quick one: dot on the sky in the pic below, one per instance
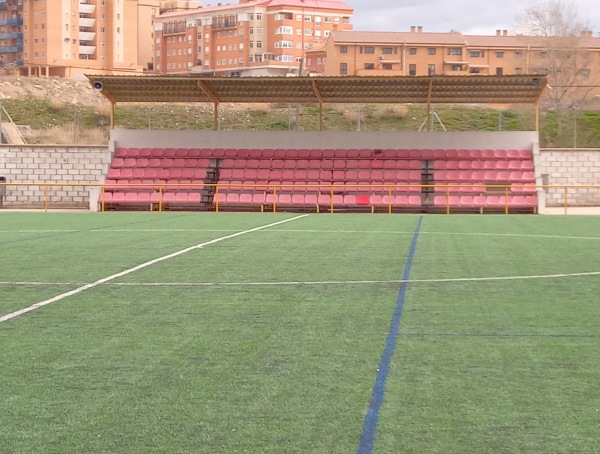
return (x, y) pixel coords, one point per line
(472, 17)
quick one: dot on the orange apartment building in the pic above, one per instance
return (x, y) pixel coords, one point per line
(70, 38)
(419, 53)
(249, 38)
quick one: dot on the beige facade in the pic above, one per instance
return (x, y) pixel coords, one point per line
(419, 53)
(251, 38)
(71, 38)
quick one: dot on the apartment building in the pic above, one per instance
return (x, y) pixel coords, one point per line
(70, 38)
(249, 38)
(419, 53)
(11, 34)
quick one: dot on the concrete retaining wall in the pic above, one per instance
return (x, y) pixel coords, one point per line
(59, 165)
(567, 168)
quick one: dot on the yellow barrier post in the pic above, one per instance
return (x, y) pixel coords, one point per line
(274, 199)
(447, 199)
(389, 200)
(217, 198)
(160, 198)
(331, 199)
(566, 199)
(505, 199)
(46, 198)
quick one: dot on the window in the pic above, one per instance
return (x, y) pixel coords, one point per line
(387, 50)
(476, 54)
(259, 44)
(474, 70)
(369, 50)
(454, 51)
(412, 51)
(518, 71)
(431, 70)
(343, 49)
(499, 54)
(499, 71)
(343, 69)
(412, 69)
(431, 50)
(518, 54)
(259, 16)
(369, 65)
(456, 68)
(386, 66)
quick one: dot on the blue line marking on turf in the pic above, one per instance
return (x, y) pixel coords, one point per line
(367, 437)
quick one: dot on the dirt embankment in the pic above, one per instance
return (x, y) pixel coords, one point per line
(66, 90)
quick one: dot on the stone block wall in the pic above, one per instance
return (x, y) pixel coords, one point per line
(571, 168)
(67, 170)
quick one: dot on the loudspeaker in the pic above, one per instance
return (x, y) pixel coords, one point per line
(98, 86)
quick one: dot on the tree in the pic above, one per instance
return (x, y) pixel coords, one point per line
(559, 41)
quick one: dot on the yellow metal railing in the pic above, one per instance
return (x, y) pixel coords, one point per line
(48, 196)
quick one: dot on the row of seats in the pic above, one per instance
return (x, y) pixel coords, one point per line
(327, 164)
(161, 174)
(490, 201)
(483, 176)
(245, 153)
(324, 200)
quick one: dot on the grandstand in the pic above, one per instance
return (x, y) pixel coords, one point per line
(322, 171)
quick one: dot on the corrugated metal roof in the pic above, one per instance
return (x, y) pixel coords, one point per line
(317, 90)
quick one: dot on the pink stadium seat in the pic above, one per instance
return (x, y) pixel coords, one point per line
(169, 152)
(527, 165)
(121, 153)
(327, 164)
(125, 174)
(138, 173)
(193, 153)
(515, 165)
(525, 154)
(477, 165)
(129, 162)
(500, 154)
(199, 174)
(466, 201)
(289, 163)
(284, 199)
(106, 197)
(145, 153)
(117, 163)
(118, 197)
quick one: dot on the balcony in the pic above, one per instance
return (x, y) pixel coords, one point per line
(87, 36)
(87, 50)
(86, 8)
(14, 21)
(10, 49)
(84, 22)
(11, 35)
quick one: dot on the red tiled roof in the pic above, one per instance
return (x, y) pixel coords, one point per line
(453, 38)
(316, 4)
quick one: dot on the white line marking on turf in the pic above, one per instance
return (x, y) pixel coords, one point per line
(138, 267)
(358, 282)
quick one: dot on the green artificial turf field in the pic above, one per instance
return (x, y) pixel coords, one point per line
(268, 333)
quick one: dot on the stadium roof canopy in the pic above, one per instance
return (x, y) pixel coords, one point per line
(521, 89)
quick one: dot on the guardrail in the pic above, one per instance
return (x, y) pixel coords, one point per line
(446, 198)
